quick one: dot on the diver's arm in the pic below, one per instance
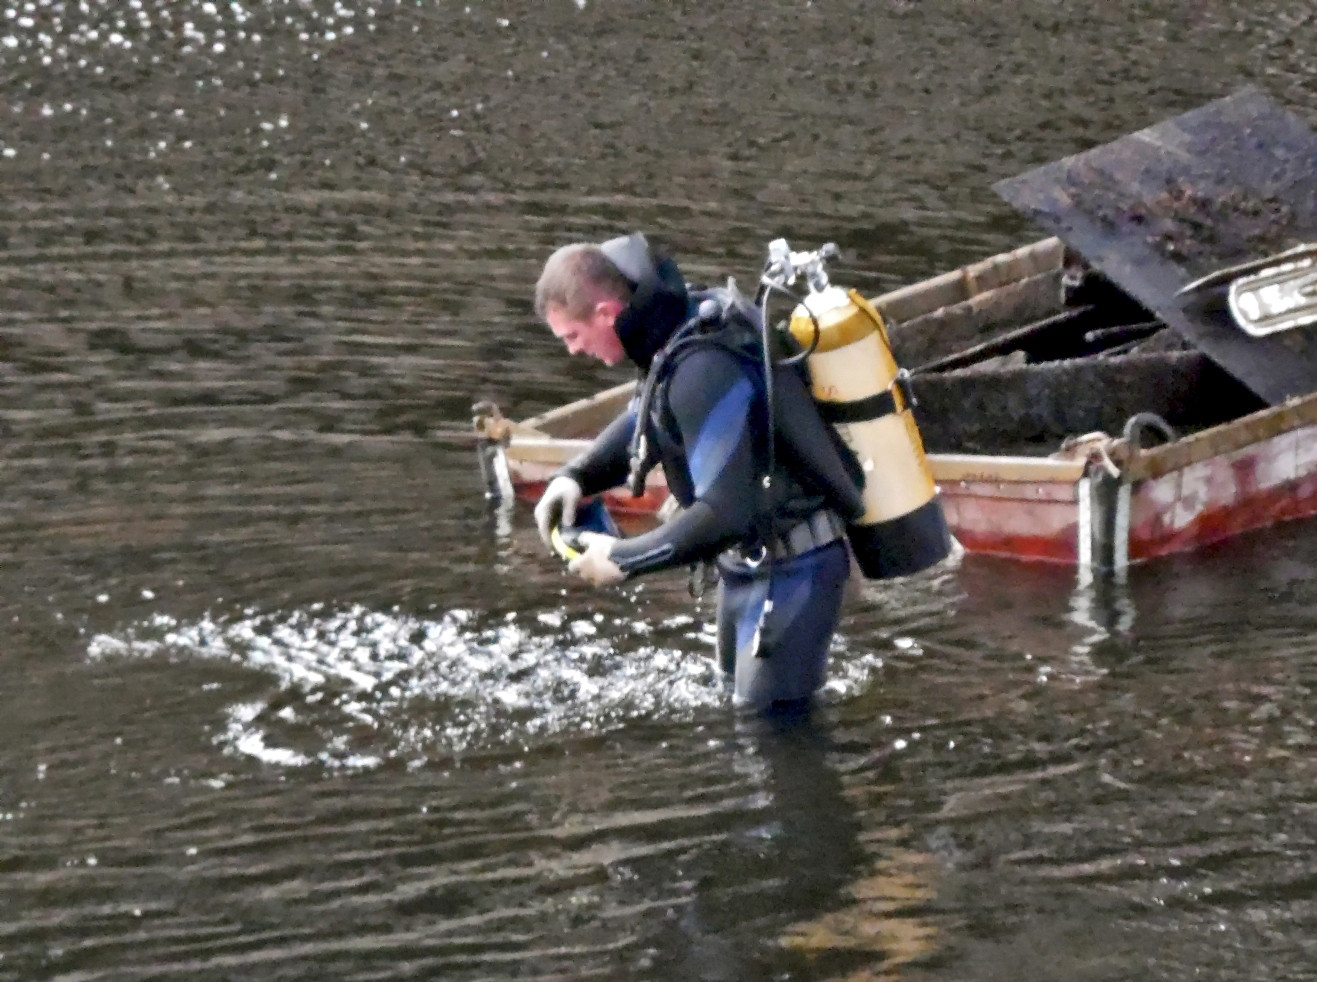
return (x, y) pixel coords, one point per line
(712, 400)
(605, 463)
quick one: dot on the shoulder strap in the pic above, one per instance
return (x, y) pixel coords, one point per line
(725, 322)
(702, 330)
(642, 460)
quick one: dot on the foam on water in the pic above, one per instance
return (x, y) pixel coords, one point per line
(357, 686)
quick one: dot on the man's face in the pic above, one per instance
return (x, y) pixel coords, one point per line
(593, 335)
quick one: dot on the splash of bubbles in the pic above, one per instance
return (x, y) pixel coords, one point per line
(357, 686)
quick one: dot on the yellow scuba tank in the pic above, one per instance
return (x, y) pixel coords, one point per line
(861, 393)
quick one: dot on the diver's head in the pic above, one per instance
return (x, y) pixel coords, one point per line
(614, 300)
(579, 295)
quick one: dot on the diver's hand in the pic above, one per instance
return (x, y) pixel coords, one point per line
(593, 565)
(557, 506)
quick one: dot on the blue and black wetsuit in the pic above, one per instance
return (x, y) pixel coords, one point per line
(779, 544)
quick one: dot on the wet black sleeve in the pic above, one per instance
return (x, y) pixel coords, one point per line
(812, 450)
(716, 406)
(606, 463)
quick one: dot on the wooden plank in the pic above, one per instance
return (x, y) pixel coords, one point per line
(957, 286)
(1226, 183)
(957, 468)
(945, 467)
(1010, 341)
(980, 318)
(1104, 339)
(584, 417)
(548, 450)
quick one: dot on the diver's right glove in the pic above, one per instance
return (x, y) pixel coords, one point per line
(557, 506)
(594, 564)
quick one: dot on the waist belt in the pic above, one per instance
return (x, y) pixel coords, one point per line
(820, 529)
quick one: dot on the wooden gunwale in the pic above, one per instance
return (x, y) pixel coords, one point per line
(1228, 437)
(583, 417)
(960, 285)
(947, 468)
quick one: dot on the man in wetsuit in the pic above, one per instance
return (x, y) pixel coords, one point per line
(771, 515)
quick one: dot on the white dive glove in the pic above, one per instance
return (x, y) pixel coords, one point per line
(557, 506)
(593, 565)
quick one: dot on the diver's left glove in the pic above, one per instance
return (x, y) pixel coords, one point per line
(593, 565)
(557, 506)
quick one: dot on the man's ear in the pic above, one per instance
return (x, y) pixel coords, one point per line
(609, 309)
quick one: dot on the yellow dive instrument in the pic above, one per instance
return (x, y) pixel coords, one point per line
(566, 550)
(591, 516)
(867, 399)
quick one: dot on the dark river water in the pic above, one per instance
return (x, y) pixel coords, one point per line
(281, 698)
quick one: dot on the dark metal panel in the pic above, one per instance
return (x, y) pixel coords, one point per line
(1231, 181)
(1031, 409)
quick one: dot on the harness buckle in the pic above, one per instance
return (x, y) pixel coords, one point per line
(758, 561)
(698, 580)
(902, 385)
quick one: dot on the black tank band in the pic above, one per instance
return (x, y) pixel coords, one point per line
(874, 406)
(858, 411)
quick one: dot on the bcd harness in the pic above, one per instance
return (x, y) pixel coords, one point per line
(724, 320)
(849, 433)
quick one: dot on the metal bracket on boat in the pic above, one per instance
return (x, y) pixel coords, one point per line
(490, 423)
(493, 433)
(1142, 423)
(1278, 293)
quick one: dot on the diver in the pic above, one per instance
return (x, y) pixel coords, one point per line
(766, 503)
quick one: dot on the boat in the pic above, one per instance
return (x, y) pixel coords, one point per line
(1088, 399)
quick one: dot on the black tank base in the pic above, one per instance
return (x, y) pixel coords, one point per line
(902, 545)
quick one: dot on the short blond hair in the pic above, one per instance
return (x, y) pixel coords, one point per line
(575, 278)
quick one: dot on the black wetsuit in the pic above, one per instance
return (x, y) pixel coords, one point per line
(780, 548)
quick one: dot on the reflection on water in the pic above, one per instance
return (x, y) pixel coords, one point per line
(281, 698)
(1102, 605)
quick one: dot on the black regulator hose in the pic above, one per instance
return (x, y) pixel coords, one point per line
(818, 329)
(765, 331)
